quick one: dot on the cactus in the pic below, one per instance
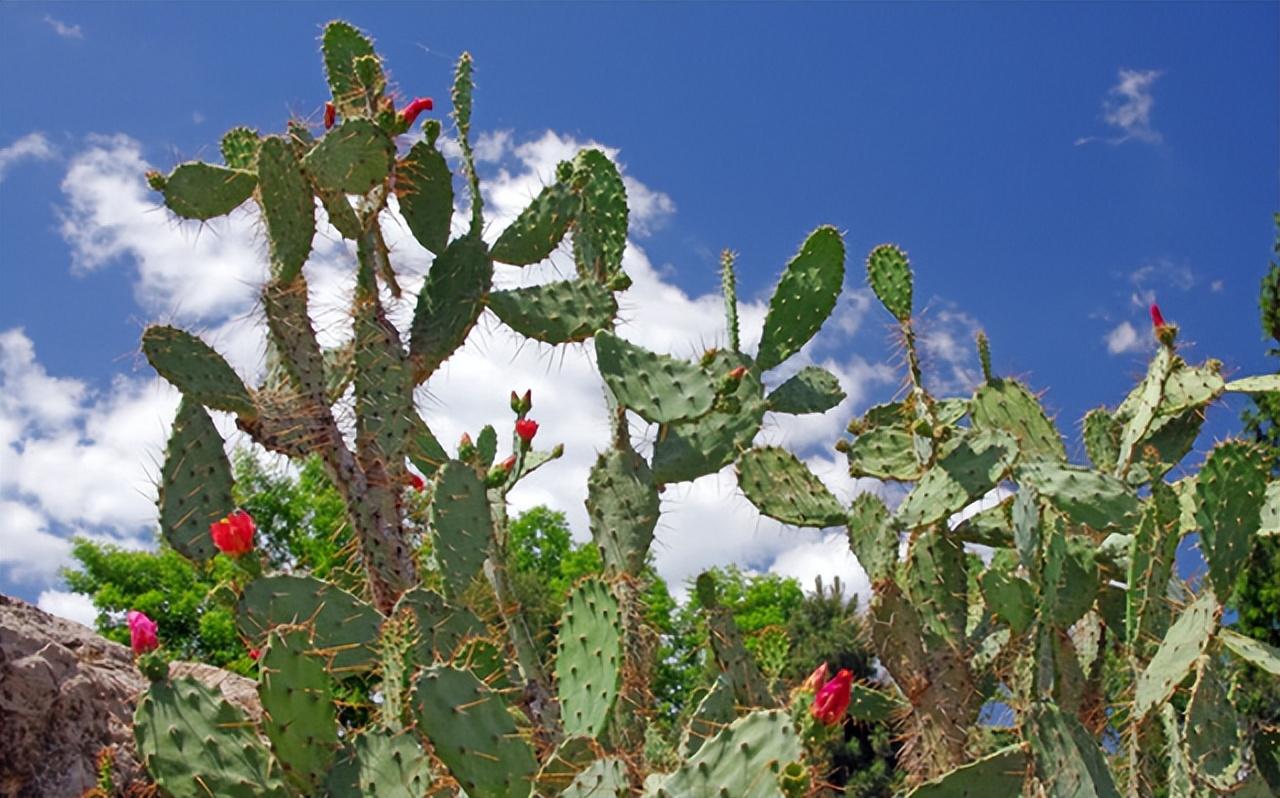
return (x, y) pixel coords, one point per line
(1080, 582)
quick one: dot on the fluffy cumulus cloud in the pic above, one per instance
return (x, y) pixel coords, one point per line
(204, 277)
(1127, 109)
(31, 147)
(1123, 339)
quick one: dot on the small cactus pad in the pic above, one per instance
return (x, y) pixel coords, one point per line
(460, 525)
(1211, 736)
(1255, 652)
(194, 744)
(687, 450)
(424, 187)
(603, 778)
(343, 626)
(562, 312)
(473, 734)
(539, 228)
(195, 483)
(442, 627)
(804, 298)
(571, 757)
(384, 764)
(714, 712)
(288, 208)
(811, 390)
(870, 705)
(884, 453)
(622, 505)
(1183, 644)
(889, 274)
(342, 44)
(1190, 388)
(783, 488)
(750, 688)
(600, 231)
(743, 761)
(1230, 492)
(451, 300)
(1007, 405)
(1101, 438)
(1010, 598)
(1069, 762)
(657, 387)
(996, 775)
(297, 706)
(1263, 383)
(1070, 578)
(352, 158)
(967, 472)
(589, 658)
(1087, 497)
(202, 191)
(240, 148)
(872, 538)
(195, 369)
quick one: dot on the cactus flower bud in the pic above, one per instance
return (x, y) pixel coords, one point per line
(1157, 318)
(143, 631)
(254, 654)
(330, 114)
(832, 700)
(417, 483)
(414, 108)
(526, 428)
(466, 449)
(515, 403)
(738, 373)
(508, 464)
(816, 679)
(233, 535)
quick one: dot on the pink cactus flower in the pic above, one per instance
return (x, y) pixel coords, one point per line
(233, 535)
(832, 700)
(143, 632)
(738, 373)
(1157, 318)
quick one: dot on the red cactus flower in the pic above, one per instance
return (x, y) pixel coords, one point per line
(419, 484)
(738, 373)
(254, 654)
(233, 535)
(330, 114)
(832, 700)
(414, 108)
(1157, 318)
(143, 632)
(816, 679)
(526, 428)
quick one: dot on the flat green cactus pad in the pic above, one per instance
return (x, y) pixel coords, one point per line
(656, 387)
(1069, 762)
(997, 775)
(687, 450)
(622, 504)
(600, 230)
(352, 158)
(966, 473)
(539, 228)
(384, 764)
(889, 274)
(201, 191)
(195, 483)
(1183, 644)
(810, 390)
(589, 658)
(742, 760)
(424, 187)
(1230, 491)
(460, 525)
(562, 312)
(804, 298)
(451, 300)
(343, 627)
(783, 488)
(288, 208)
(297, 705)
(196, 369)
(342, 45)
(1007, 405)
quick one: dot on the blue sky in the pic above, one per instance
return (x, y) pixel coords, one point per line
(1050, 168)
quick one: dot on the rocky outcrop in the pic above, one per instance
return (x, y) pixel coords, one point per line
(66, 694)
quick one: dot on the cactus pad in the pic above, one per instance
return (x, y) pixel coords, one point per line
(1263, 383)
(967, 472)
(996, 775)
(460, 525)
(288, 208)
(202, 191)
(1087, 497)
(297, 706)
(1068, 760)
(194, 744)
(1101, 438)
(342, 45)
(383, 764)
(343, 626)
(1255, 652)
(870, 705)
(804, 298)
(1010, 598)
(450, 302)
(352, 158)
(473, 734)
(783, 488)
(889, 274)
(195, 483)
(1230, 491)
(1183, 644)
(622, 505)
(442, 628)
(196, 369)
(557, 313)
(589, 658)
(657, 387)
(603, 778)
(600, 232)
(239, 148)
(872, 538)
(1211, 736)
(743, 760)
(539, 228)
(424, 186)
(884, 453)
(811, 390)
(714, 712)
(688, 450)
(1007, 405)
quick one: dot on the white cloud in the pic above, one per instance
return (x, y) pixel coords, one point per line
(72, 606)
(1127, 107)
(33, 146)
(63, 29)
(1124, 338)
(828, 558)
(28, 551)
(948, 354)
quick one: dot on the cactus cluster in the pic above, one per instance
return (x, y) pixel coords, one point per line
(1082, 569)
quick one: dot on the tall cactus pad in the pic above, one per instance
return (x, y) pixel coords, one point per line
(460, 525)
(1101, 438)
(783, 488)
(195, 483)
(383, 764)
(1087, 497)
(196, 369)
(342, 45)
(202, 191)
(288, 208)
(385, 413)
(729, 288)
(293, 337)
(424, 186)
(473, 734)
(966, 473)
(743, 761)
(194, 744)
(1212, 734)
(344, 628)
(622, 504)
(804, 298)
(1007, 405)
(997, 775)
(603, 778)
(539, 228)
(714, 712)
(658, 388)
(871, 537)
(937, 582)
(690, 449)
(1183, 644)
(1068, 760)
(443, 629)
(352, 158)
(451, 300)
(557, 313)
(589, 658)
(811, 390)
(873, 706)
(1230, 492)
(297, 705)
(1010, 598)
(750, 688)
(600, 234)
(889, 274)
